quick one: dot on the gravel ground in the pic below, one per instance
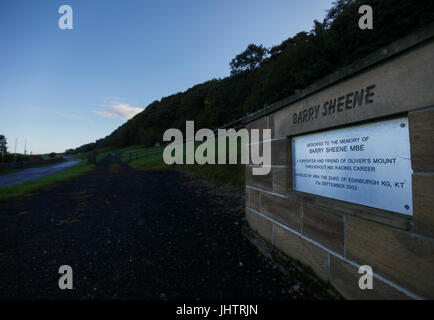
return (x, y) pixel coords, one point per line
(131, 234)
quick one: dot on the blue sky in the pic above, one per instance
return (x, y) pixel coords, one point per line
(60, 88)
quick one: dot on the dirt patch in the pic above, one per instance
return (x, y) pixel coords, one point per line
(66, 221)
(115, 168)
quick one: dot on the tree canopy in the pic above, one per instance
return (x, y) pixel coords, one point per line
(249, 59)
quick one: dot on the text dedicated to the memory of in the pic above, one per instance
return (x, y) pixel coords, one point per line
(366, 164)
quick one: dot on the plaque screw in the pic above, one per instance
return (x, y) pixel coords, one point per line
(402, 125)
(407, 207)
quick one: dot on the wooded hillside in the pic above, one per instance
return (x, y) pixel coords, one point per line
(261, 76)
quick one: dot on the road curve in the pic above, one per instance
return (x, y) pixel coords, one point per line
(35, 173)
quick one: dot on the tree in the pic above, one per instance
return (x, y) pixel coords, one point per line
(3, 144)
(249, 59)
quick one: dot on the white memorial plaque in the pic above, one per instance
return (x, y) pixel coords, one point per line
(367, 164)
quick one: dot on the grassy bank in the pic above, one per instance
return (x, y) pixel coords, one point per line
(11, 192)
(225, 173)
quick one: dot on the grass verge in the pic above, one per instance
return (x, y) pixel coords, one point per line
(225, 173)
(11, 192)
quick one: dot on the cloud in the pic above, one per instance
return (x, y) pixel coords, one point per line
(118, 110)
(72, 116)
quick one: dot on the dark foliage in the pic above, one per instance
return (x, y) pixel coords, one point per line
(11, 157)
(3, 144)
(249, 59)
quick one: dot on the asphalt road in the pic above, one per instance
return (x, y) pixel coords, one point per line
(35, 173)
(131, 234)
